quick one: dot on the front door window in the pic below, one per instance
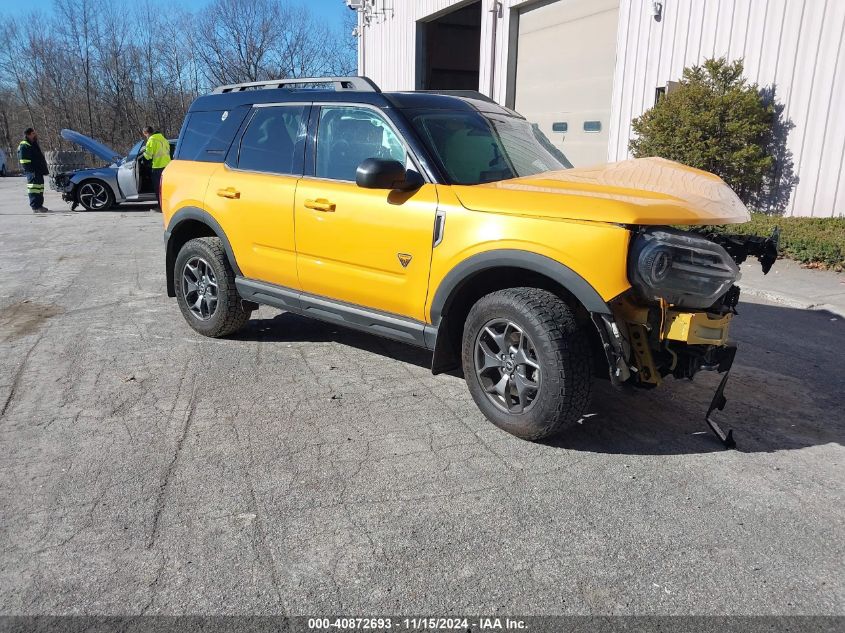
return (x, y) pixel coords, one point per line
(349, 135)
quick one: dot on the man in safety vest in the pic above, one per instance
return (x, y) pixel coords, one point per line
(34, 167)
(157, 152)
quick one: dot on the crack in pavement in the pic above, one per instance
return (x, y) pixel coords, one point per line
(18, 375)
(171, 467)
(154, 586)
(262, 548)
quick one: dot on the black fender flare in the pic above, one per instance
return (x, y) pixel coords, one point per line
(199, 215)
(512, 258)
(444, 357)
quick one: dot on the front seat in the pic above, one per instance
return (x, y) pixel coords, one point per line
(355, 140)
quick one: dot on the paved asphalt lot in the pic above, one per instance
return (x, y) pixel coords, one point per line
(304, 469)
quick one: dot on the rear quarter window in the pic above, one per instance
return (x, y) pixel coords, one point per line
(206, 136)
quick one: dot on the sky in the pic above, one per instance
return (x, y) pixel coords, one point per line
(331, 10)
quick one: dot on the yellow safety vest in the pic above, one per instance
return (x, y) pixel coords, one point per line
(158, 151)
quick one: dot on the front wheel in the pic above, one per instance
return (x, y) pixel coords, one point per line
(205, 289)
(527, 362)
(95, 195)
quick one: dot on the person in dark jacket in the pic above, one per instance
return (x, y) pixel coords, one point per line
(34, 167)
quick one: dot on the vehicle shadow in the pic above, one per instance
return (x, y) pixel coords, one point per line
(287, 327)
(784, 392)
(130, 207)
(144, 207)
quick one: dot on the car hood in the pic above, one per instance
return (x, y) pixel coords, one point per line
(649, 191)
(99, 150)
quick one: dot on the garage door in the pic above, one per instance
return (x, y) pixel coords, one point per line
(566, 54)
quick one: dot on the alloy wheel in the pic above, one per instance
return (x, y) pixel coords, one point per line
(93, 195)
(507, 366)
(199, 288)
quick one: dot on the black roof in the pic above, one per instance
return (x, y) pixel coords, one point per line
(458, 101)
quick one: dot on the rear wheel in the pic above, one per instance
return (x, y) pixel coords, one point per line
(95, 195)
(205, 289)
(527, 362)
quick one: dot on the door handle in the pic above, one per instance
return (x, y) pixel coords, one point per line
(229, 192)
(320, 204)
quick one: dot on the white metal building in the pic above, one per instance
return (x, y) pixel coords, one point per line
(583, 69)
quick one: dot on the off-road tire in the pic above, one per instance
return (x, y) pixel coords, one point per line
(563, 354)
(231, 313)
(65, 162)
(56, 169)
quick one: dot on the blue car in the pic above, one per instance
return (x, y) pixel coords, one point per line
(125, 178)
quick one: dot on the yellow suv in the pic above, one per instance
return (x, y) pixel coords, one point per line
(446, 221)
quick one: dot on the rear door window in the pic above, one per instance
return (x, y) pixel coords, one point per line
(274, 140)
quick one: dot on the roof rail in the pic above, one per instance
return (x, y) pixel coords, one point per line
(466, 94)
(360, 84)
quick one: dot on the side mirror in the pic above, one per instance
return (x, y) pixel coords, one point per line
(377, 173)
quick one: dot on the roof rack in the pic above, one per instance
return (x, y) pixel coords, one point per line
(360, 84)
(466, 94)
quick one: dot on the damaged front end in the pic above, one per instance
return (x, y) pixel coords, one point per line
(62, 182)
(741, 247)
(675, 319)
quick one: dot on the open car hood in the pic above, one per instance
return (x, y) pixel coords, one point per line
(651, 191)
(103, 152)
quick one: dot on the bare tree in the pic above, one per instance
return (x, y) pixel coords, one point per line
(75, 25)
(236, 39)
(13, 62)
(98, 67)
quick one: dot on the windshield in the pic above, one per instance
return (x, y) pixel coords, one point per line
(132, 154)
(135, 150)
(474, 148)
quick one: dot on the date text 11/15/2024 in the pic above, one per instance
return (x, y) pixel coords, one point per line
(417, 624)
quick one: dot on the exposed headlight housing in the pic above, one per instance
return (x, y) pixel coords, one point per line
(683, 269)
